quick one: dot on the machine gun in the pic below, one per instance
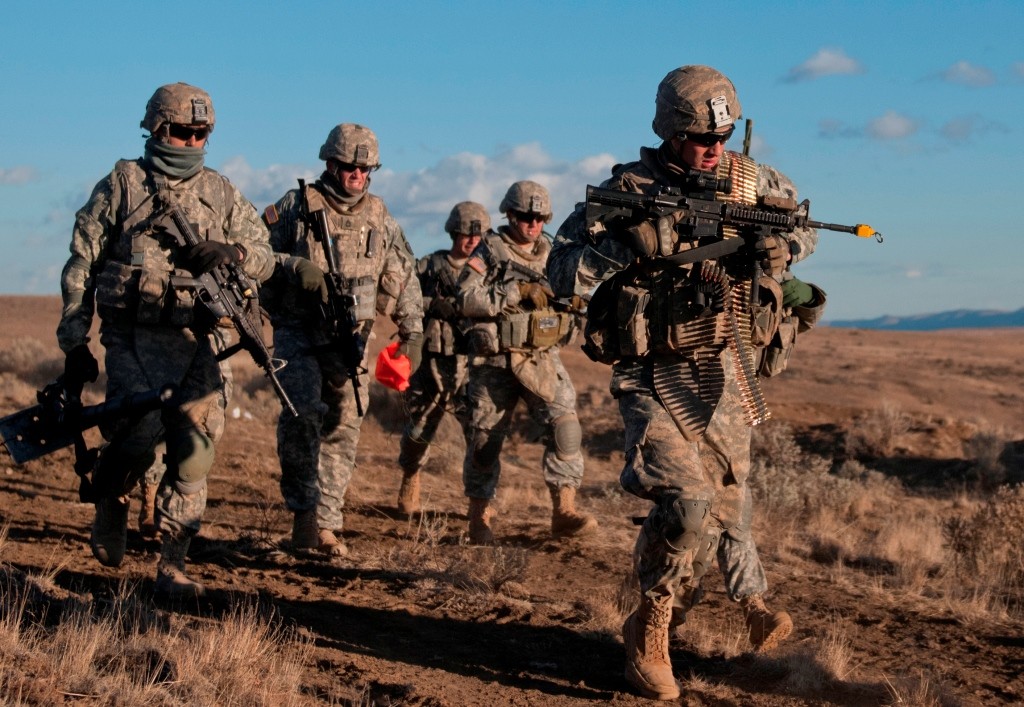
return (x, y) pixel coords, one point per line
(339, 311)
(227, 293)
(59, 419)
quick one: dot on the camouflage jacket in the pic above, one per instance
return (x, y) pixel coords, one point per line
(439, 281)
(371, 251)
(121, 267)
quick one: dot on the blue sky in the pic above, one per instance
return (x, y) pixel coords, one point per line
(906, 116)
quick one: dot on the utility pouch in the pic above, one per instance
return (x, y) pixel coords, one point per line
(117, 292)
(547, 328)
(363, 290)
(152, 288)
(633, 334)
(775, 356)
(482, 339)
(513, 331)
(766, 314)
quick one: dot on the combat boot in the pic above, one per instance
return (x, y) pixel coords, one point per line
(766, 629)
(305, 533)
(480, 531)
(109, 536)
(331, 544)
(645, 636)
(171, 580)
(409, 493)
(147, 513)
(565, 519)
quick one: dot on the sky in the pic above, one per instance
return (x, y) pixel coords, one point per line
(903, 115)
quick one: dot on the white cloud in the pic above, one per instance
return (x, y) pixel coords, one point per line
(913, 274)
(421, 200)
(892, 126)
(968, 74)
(825, 62)
(17, 175)
(966, 127)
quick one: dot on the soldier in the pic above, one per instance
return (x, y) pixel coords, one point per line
(317, 449)
(513, 339)
(130, 273)
(680, 340)
(438, 383)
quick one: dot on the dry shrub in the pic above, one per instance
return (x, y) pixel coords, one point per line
(986, 450)
(986, 547)
(32, 360)
(918, 690)
(877, 431)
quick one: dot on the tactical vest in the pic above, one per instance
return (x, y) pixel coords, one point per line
(135, 284)
(360, 249)
(518, 329)
(438, 278)
(638, 311)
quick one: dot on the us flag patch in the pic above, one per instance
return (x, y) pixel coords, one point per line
(270, 215)
(477, 264)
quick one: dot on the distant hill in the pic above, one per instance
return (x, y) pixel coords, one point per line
(957, 319)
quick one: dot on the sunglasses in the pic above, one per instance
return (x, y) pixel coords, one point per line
(187, 132)
(708, 139)
(365, 169)
(525, 217)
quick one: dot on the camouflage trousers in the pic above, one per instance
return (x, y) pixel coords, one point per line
(492, 393)
(143, 357)
(435, 388)
(707, 473)
(317, 449)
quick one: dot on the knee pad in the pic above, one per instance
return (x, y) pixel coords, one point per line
(685, 521)
(705, 553)
(568, 436)
(189, 456)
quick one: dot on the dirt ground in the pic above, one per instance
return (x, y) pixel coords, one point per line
(414, 616)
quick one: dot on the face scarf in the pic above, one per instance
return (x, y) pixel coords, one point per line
(175, 162)
(336, 192)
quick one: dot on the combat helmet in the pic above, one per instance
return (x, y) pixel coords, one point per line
(468, 218)
(695, 99)
(351, 143)
(527, 197)
(180, 104)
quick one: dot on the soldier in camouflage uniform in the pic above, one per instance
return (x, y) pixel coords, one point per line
(126, 270)
(438, 383)
(681, 340)
(514, 337)
(317, 449)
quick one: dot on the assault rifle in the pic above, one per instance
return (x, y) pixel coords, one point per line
(339, 311)
(227, 293)
(59, 419)
(703, 216)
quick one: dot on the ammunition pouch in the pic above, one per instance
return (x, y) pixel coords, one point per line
(440, 337)
(127, 294)
(363, 291)
(617, 325)
(766, 314)
(537, 330)
(775, 356)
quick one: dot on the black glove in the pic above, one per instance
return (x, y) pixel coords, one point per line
(311, 277)
(443, 308)
(412, 348)
(211, 254)
(80, 365)
(536, 293)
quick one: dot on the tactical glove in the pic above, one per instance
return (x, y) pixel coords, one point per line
(310, 276)
(656, 236)
(211, 254)
(796, 293)
(442, 308)
(80, 365)
(412, 347)
(536, 293)
(776, 255)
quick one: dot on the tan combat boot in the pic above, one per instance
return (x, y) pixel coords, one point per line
(331, 544)
(305, 533)
(645, 635)
(147, 513)
(766, 629)
(109, 537)
(565, 519)
(409, 493)
(480, 531)
(171, 580)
